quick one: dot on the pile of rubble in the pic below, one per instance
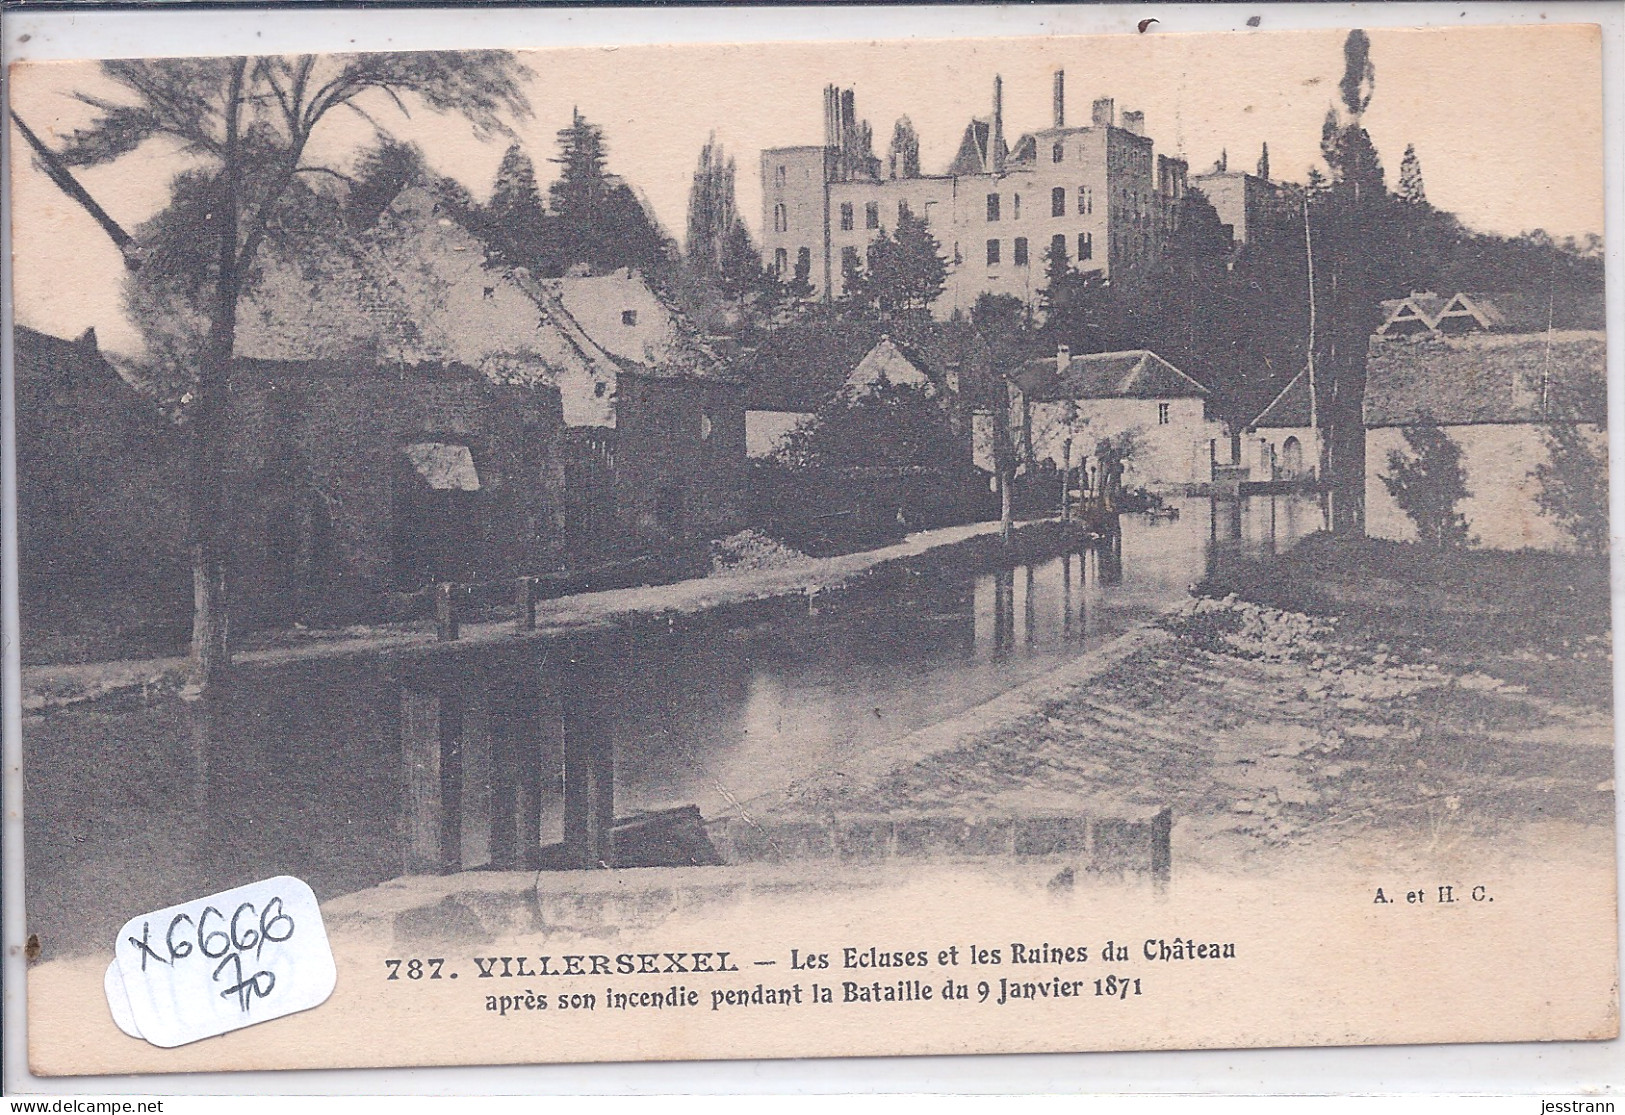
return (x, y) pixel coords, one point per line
(1347, 675)
(750, 550)
(1237, 626)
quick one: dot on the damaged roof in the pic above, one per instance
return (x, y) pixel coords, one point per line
(1488, 378)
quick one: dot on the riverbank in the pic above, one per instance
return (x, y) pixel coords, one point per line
(720, 598)
(1343, 689)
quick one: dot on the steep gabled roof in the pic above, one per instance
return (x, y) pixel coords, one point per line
(937, 351)
(1136, 374)
(1488, 378)
(1291, 408)
(681, 356)
(975, 151)
(800, 365)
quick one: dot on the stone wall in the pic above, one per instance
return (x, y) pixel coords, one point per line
(1500, 461)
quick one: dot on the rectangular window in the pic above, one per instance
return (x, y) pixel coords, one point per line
(1162, 414)
(781, 219)
(781, 260)
(846, 216)
(1015, 207)
(849, 259)
(1086, 201)
(630, 317)
(992, 207)
(1057, 246)
(1057, 202)
(1019, 255)
(1086, 245)
(902, 212)
(992, 252)
(871, 215)
(1057, 153)
(778, 177)
(803, 262)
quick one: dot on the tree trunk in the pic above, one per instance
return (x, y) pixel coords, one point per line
(209, 509)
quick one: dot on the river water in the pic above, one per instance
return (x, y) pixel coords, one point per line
(301, 772)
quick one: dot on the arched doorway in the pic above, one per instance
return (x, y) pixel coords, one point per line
(1291, 459)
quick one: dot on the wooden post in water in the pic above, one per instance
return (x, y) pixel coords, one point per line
(431, 754)
(525, 598)
(446, 626)
(516, 775)
(589, 757)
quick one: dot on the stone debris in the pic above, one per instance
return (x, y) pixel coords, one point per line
(751, 550)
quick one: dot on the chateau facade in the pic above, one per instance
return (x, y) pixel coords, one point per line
(1097, 192)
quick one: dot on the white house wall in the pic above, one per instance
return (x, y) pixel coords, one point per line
(767, 431)
(1500, 462)
(1166, 456)
(1264, 449)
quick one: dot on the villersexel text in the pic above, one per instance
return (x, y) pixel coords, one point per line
(878, 975)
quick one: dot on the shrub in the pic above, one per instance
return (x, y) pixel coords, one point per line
(1427, 484)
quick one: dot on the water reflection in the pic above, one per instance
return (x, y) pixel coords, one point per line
(350, 774)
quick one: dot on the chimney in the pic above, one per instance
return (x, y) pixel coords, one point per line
(1104, 115)
(1060, 98)
(1134, 122)
(1063, 359)
(832, 117)
(995, 141)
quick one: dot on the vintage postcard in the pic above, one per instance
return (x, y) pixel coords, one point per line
(814, 549)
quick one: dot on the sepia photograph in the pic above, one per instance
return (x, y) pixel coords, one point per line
(708, 551)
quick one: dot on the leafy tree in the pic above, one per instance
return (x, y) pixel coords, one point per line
(514, 192)
(515, 223)
(1005, 323)
(378, 177)
(892, 426)
(800, 285)
(1427, 483)
(249, 123)
(712, 214)
(906, 271)
(1350, 221)
(1411, 190)
(597, 219)
(904, 157)
(742, 274)
(1079, 308)
(1574, 487)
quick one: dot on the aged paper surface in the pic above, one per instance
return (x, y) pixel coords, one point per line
(622, 641)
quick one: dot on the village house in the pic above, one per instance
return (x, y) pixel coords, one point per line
(1095, 192)
(354, 480)
(1498, 396)
(806, 366)
(795, 370)
(421, 417)
(1136, 399)
(653, 443)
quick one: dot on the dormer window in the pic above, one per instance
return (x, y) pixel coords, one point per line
(629, 317)
(1057, 153)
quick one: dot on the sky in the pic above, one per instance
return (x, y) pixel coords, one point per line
(1507, 123)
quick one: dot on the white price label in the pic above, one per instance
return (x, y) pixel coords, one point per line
(220, 963)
